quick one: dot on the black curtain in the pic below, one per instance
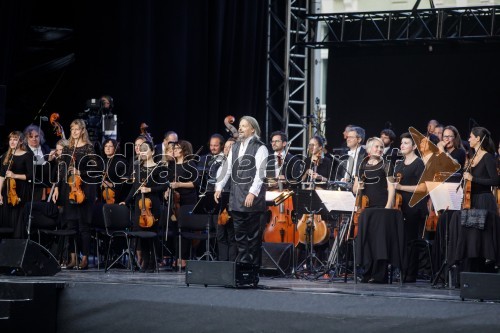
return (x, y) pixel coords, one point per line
(180, 65)
(407, 85)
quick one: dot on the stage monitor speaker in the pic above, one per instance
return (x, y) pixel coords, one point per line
(276, 258)
(220, 273)
(482, 286)
(25, 257)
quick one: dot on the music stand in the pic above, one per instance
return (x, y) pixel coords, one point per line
(445, 197)
(206, 205)
(308, 202)
(341, 202)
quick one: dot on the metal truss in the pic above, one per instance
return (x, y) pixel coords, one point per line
(287, 71)
(424, 25)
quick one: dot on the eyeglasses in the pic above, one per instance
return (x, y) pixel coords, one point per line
(352, 137)
(448, 136)
(276, 141)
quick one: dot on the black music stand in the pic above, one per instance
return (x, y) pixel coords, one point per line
(309, 203)
(206, 205)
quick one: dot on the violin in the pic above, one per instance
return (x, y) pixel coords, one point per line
(230, 128)
(76, 195)
(467, 187)
(360, 204)
(146, 219)
(12, 197)
(398, 199)
(108, 193)
(58, 129)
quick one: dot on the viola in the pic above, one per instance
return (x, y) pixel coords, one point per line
(230, 128)
(146, 219)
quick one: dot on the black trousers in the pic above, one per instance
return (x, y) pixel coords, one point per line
(248, 236)
(226, 242)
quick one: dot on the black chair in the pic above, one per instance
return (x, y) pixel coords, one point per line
(45, 221)
(118, 225)
(196, 227)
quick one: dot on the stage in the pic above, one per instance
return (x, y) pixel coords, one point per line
(120, 300)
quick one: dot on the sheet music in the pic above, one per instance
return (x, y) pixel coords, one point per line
(271, 195)
(445, 195)
(337, 200)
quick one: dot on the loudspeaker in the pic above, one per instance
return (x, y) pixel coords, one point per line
(276, 258)
(221, 273)
(480, 286)
(25, 257)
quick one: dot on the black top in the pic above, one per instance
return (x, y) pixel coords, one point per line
(458, 154)
(484, 175)
(22, 165)
(375, 183)
(324, 168)
(184, 173)
(410, 175)
(115, 171)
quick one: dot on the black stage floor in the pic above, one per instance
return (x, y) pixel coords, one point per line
(120, 300)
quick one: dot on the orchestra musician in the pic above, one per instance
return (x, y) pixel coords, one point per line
(319, 167)
(184, 187)
(247, 199)
(114, 171)
(36, 143)
(380, 192)
(150, 182)
(410, 171)
(16, 174)
(210, 163)
(451, 144)
(356, 153)
(226, 243)
(78, 171)
(388, 137)
(281, 164)
(165, 151)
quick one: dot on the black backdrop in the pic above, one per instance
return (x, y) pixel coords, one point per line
(407, 85)
(175, 65)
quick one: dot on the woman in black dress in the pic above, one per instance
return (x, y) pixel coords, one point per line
(374, 183)
(115, 171)
(149, 183)
(17, 167)
(414, 207)
(184, 185)
(78, 161)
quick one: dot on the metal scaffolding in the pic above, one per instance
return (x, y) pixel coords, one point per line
(287, 71)
(424, 25)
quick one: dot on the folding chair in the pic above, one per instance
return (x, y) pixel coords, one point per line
(190, 226)
(118, 224)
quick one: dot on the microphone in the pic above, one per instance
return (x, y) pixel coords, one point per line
(43, 118)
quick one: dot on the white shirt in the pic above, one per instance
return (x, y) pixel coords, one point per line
(351, 165)
(260, 162)
(39, 159)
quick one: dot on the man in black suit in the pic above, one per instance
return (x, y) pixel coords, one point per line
(210, 163)
(35, 140)
(165, 149)
(281, 164)
(356, 154)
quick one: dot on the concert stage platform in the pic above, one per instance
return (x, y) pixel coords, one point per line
(121, 301)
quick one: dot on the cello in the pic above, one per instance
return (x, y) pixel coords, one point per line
(281, 228)
(228, 121)
(321, 233)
